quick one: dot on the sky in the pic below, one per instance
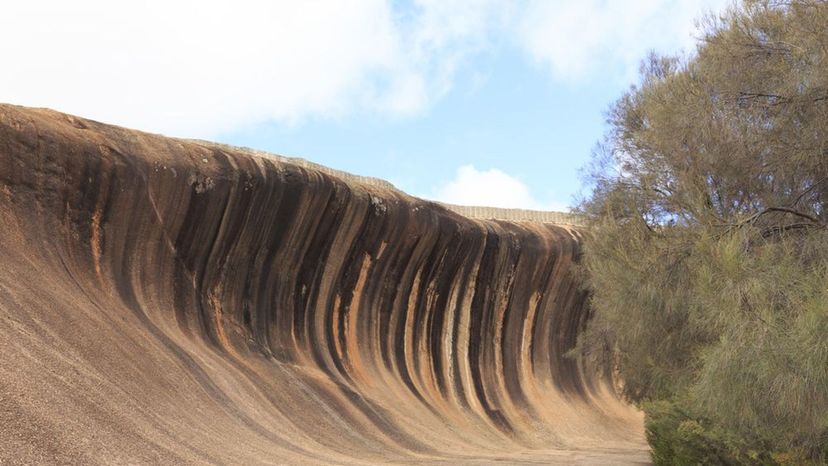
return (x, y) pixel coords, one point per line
(475, 102)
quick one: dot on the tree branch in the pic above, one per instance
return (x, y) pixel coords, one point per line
(786, 210)
(783, 228)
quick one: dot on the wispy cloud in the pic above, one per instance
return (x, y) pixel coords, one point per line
(200, 68)
(578, 38)
(197, 68)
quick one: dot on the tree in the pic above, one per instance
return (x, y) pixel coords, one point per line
(708, 257)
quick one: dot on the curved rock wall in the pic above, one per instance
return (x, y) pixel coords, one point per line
(476, 212)
(178, 301)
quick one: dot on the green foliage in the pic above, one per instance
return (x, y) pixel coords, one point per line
(707, 256)
(678, 439)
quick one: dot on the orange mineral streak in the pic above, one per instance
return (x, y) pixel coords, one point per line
(165, 301)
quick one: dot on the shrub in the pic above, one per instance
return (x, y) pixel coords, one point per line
(707, 255)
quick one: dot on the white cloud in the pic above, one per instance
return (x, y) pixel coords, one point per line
(203, 67)
(491, 188)
(197, 68)
(575, 38)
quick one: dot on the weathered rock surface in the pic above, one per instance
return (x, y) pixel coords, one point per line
(166, 301)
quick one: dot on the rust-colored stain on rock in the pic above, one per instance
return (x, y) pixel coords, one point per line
(178, 302)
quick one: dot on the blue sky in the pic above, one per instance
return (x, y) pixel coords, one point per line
(510, 117)
(465, 101)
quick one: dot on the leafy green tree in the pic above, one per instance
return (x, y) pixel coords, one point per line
(708, 250)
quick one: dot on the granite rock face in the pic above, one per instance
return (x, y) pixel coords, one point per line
(170, 301)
